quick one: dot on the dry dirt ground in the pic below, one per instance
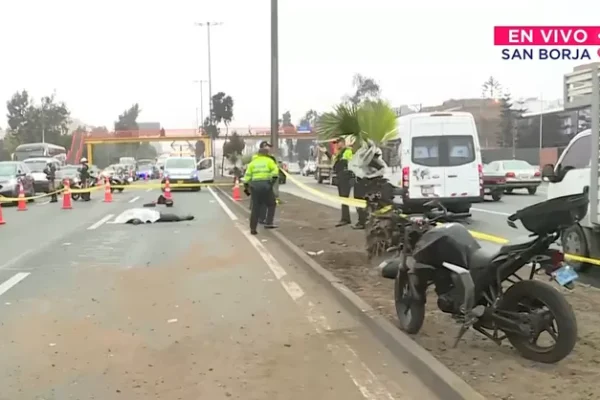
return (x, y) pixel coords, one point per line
(496, 372)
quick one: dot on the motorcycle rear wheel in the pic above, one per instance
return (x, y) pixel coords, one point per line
(563, 324)
(410, 312)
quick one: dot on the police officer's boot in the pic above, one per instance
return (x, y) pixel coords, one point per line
(54, 198)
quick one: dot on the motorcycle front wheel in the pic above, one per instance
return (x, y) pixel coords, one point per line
(551, 318)
(410, 311)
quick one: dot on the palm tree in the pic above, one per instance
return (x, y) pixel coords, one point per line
(372, 122)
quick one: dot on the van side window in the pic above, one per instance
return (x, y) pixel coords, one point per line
(577, 155)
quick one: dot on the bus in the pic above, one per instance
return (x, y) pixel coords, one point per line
(29, 150)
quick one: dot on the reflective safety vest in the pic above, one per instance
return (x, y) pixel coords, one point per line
(261, 168)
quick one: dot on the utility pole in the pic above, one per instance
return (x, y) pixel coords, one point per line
(201, 82)
(210, 104)
(541, 121)
(274, 76)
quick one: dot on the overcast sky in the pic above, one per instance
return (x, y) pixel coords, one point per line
(102, 56)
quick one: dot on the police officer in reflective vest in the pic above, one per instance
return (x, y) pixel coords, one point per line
(50, 172)
(345, 178)
(261, 174)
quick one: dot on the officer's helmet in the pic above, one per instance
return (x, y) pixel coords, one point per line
(84, 160)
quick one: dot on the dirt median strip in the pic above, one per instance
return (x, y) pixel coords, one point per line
(495, 372)
(446, 384)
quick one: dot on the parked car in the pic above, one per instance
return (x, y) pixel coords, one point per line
(494, 184)
(37, 165)
(519, 174)
(147, 171)
(12, 174)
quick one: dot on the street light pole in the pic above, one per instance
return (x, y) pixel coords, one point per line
(541, 122)
(201, 82)
(274, 76)
(210, 105)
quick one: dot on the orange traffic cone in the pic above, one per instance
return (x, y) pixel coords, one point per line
(107, 192)
(168, 190)
(67, 196)
(22, 201)
(235, 194)
(2, 221)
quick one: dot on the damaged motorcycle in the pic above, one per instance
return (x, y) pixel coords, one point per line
(488, 290)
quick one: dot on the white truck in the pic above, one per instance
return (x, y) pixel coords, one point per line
(324, 165)
(572, 174)
(576, 170)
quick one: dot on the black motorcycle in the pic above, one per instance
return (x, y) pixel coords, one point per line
(486, 290)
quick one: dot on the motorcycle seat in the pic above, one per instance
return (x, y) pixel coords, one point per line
(519, 244)
(481, 258)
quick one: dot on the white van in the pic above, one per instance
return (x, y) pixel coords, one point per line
(440, 158)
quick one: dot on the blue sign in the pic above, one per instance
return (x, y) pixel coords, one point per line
(303, 128)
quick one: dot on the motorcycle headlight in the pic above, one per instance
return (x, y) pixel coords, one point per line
(130, 179)
(76, 180)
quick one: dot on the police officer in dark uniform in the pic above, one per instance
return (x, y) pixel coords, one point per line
(84, 176)
(345, 177)
(50, 172)
(261, 174)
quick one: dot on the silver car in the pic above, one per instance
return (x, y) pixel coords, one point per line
(519, 174)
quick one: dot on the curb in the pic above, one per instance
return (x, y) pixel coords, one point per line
(443, 382)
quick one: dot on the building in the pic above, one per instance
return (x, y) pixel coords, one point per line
(577, 94)
(485, 111)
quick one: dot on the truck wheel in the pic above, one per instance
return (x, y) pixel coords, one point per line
(496, 196)
(532, 190)
(574, 241)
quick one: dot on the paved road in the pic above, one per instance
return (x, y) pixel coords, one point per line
(90, 309)
(488, 217)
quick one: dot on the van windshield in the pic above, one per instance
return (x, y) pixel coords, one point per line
(443, 151)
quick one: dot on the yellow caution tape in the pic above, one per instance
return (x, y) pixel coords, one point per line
(348, 201)
(171, 185)
(40, 196)
(477, 235)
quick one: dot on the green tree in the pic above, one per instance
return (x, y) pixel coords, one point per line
(31, 123)
(222, 110)
(552, 132)
(491, 88)
(365, 88)
(233, 149)
(508, 123)
(4, 151)
(234, 145)
(18, 110)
